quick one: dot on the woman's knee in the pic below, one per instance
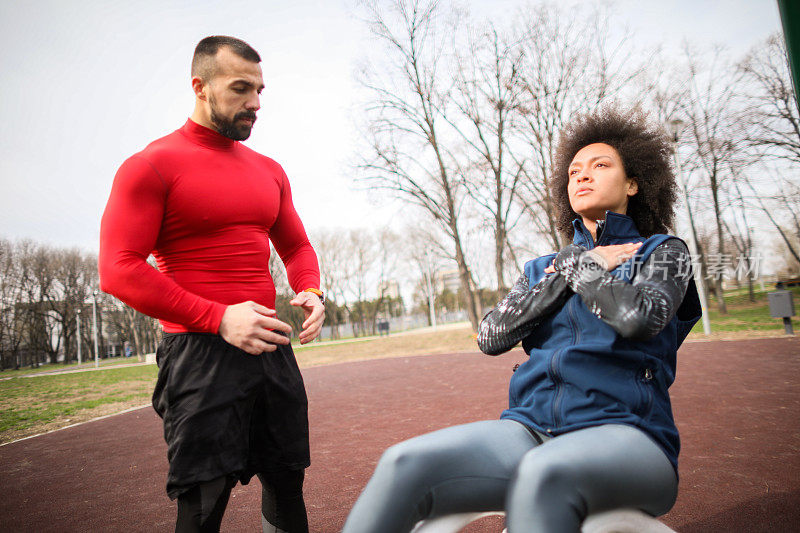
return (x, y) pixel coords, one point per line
(537, 471)
(633, 472)
(407, 458)
(545, 495)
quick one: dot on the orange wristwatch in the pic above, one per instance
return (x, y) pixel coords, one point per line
(318, 293)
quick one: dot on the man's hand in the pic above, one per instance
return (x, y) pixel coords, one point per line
(248, 326)
(315, 315)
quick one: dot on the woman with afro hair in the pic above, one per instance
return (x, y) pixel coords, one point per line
(589, 426)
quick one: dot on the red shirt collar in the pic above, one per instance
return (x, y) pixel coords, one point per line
(206, 136)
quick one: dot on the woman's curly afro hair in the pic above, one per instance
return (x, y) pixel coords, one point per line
(645, 153)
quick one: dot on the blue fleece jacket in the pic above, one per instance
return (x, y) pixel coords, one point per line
(582, 373)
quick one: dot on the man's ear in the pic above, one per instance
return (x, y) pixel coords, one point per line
(199, 87)
(633, 187)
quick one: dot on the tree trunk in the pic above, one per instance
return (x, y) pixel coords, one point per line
(499, 251)
(718, 290)
(467, 289)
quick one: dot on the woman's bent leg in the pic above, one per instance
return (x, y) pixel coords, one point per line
(588, 471)
(453, 470)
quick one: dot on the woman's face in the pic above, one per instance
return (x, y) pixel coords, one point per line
(597, 182)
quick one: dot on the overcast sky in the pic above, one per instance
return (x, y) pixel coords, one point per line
(85, 84)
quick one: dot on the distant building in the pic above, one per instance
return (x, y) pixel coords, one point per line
(389, 289)
(446, 280)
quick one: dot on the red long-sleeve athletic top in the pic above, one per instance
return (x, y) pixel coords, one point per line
(206, 207)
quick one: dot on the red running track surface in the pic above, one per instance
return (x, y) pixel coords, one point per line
(737, 404)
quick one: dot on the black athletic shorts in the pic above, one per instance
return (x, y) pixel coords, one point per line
(228, 412)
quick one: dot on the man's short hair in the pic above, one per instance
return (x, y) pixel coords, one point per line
(203, 62)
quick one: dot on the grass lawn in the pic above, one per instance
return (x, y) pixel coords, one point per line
(37, 404)
(58, 367)
(745, 318)
(44, 403)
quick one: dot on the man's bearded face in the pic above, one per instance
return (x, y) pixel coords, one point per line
(238, 127)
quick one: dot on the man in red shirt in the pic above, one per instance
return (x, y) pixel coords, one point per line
(206, 207)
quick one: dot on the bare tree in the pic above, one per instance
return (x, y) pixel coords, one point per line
(19, 318)
(387, 260)
(127, 324)
(666, 91)
(741, 233)
(331, 251)
(571, 65)
(42, 290)
(786, 263)
(783, 203)
(38, 295)
(283, 294)
(75, 276)
(771, 123)
(771, 114)
(360, 275)
(487, 93)
(10, 331)
(408, 154)
(714, 140)
(425, 258)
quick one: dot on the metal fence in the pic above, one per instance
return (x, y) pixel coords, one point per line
(396, 324)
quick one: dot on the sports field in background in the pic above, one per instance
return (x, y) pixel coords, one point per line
(736, 404)
(32, 405)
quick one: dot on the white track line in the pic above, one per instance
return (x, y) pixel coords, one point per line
(79, 423)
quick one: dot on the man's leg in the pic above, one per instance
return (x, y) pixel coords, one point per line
(588, 471)
(453, 470)
(204, 395)
(278, 446)
(282, 507)
(200, 509)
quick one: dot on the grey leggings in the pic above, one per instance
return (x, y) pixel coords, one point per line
(499, 465)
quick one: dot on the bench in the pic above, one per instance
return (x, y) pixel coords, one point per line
(616, 521)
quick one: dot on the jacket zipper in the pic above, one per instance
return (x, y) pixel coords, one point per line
(557, 379)
(559, 388)
(646, 389)
(599, 232)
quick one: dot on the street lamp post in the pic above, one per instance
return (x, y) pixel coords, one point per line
(78, 323)
(94, 327)
(674, 127)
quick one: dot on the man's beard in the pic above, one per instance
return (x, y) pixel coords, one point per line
(228, 127)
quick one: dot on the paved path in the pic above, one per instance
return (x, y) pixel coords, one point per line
(737, 404)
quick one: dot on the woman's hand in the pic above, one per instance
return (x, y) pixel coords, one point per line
(609, 257)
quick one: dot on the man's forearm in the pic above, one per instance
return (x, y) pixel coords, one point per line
(150, 292)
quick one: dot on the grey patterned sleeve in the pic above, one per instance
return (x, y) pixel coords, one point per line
(520, 312)
(638, 310)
